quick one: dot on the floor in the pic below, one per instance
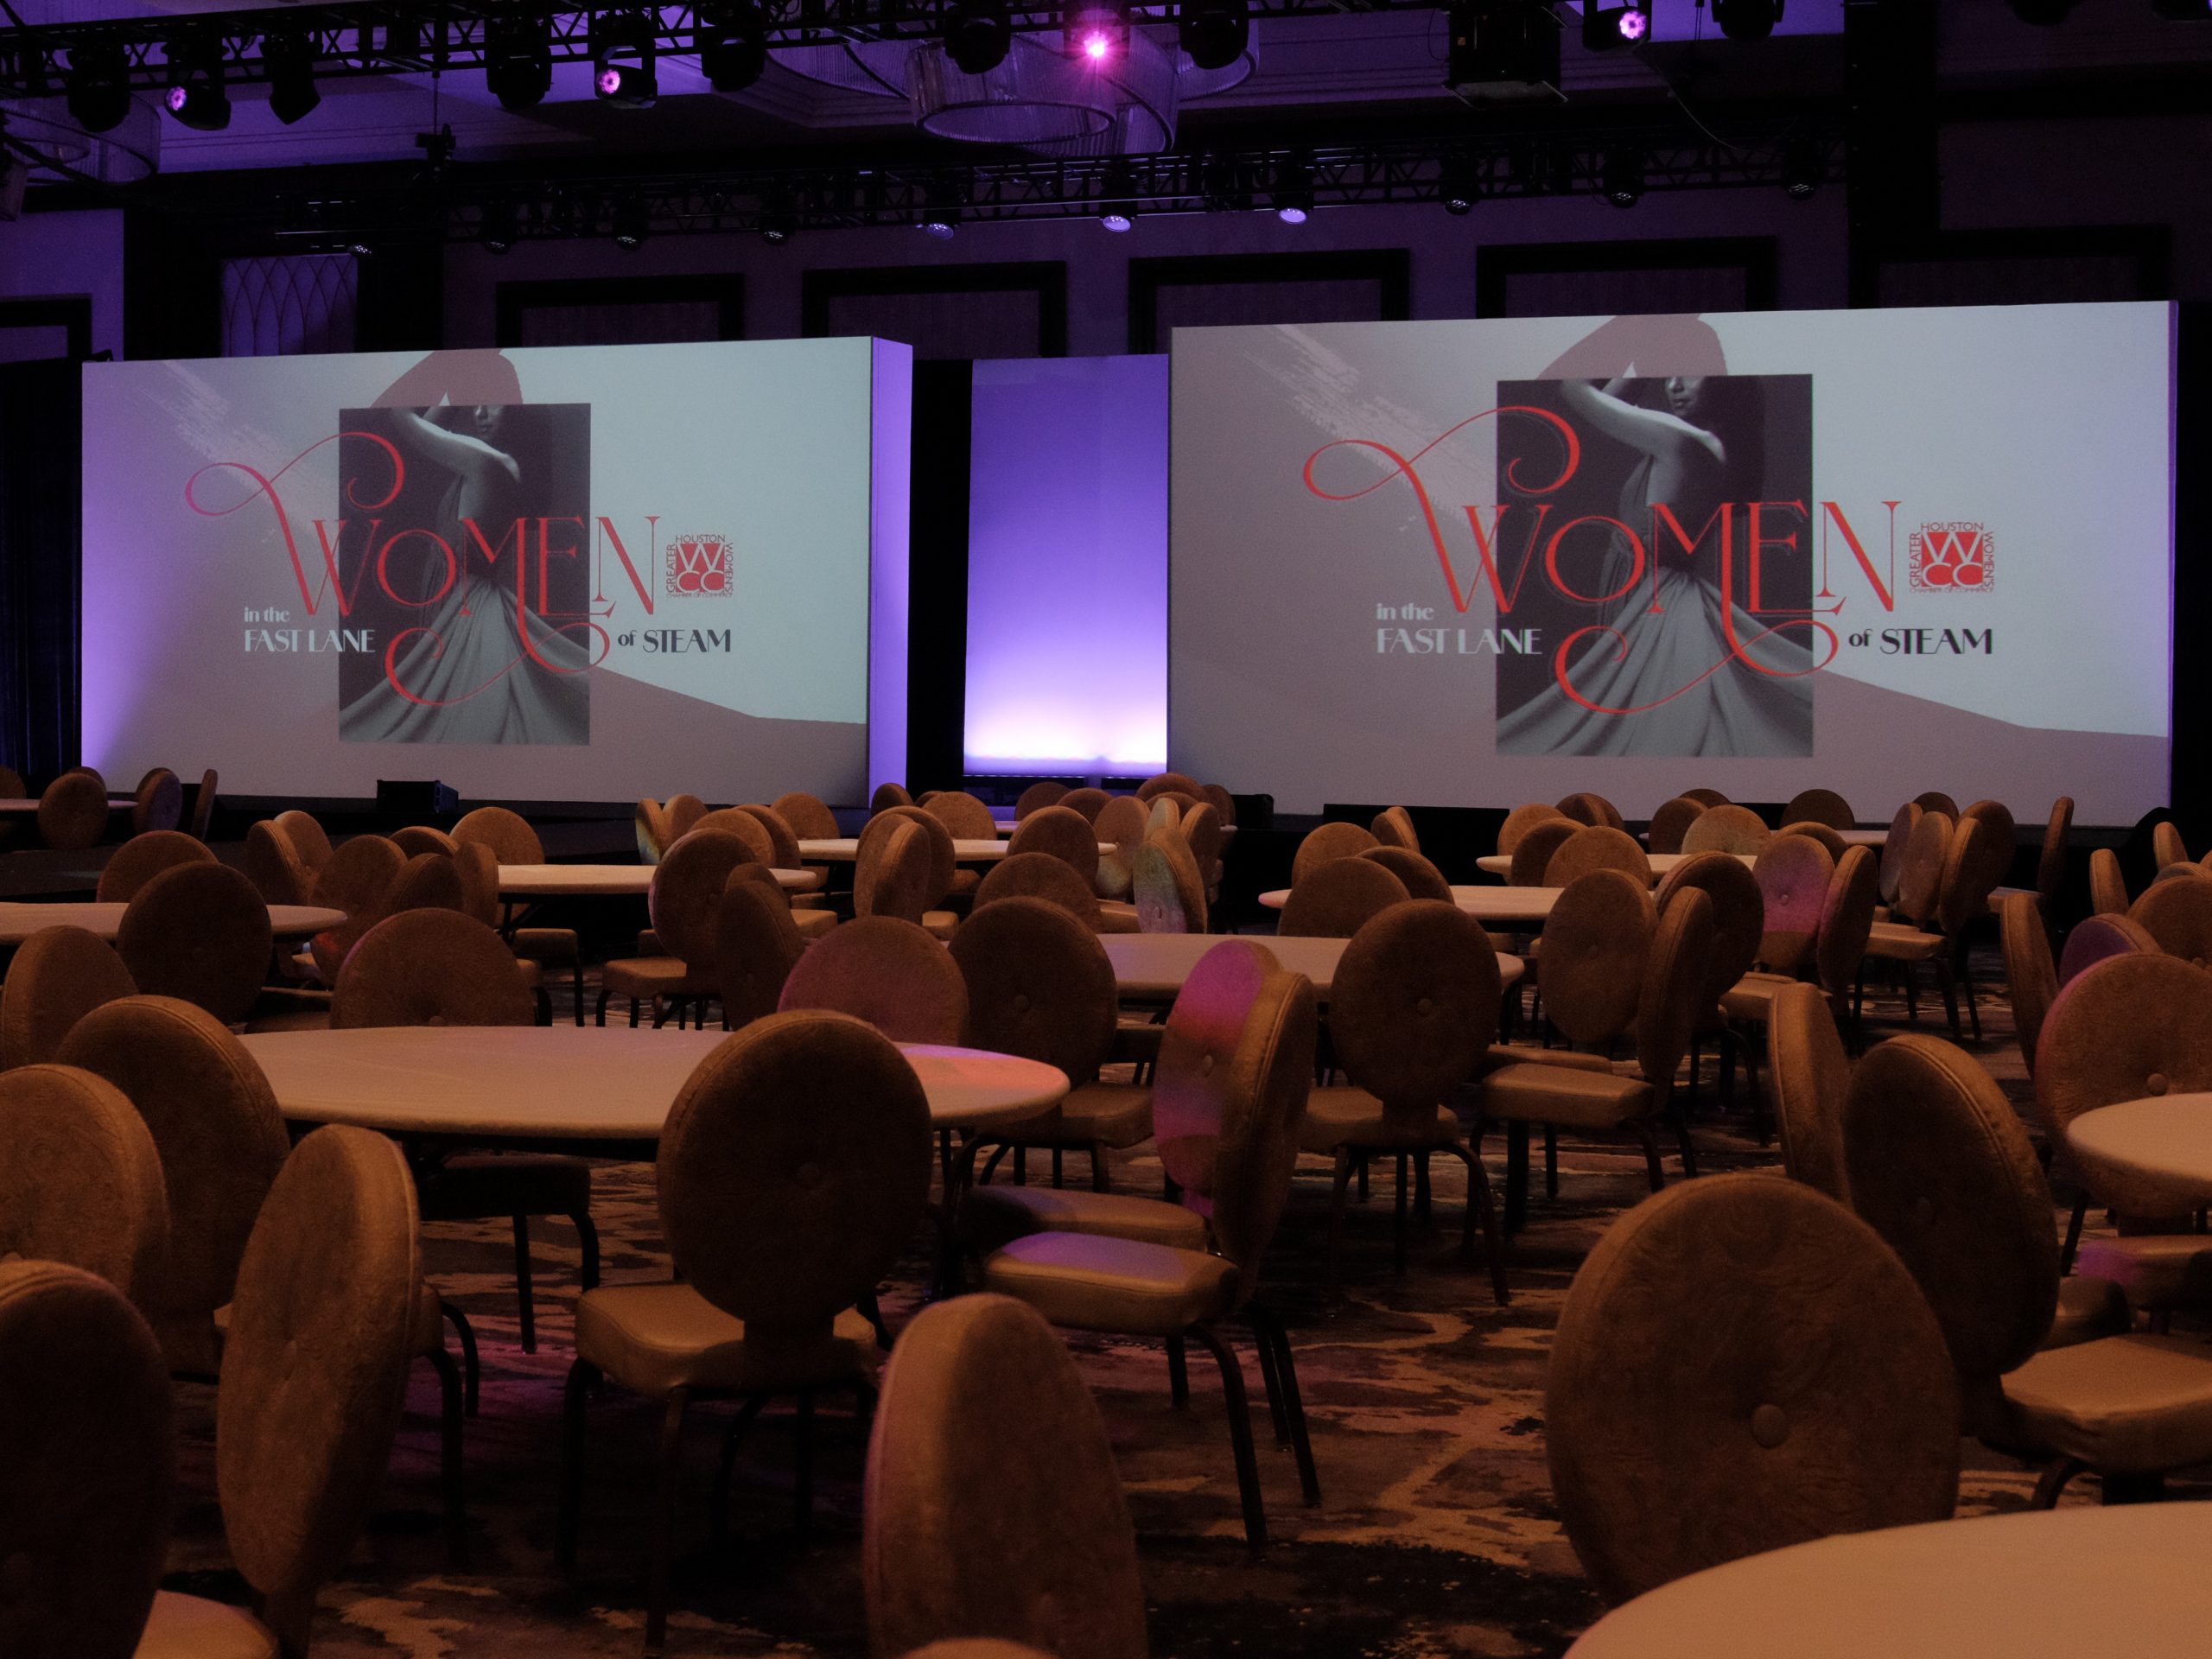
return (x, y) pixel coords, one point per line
(1436, 1537)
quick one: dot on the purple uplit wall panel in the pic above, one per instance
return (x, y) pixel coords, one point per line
(1067, 566)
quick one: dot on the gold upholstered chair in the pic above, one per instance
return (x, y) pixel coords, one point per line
(1671, 821)
(757, 943)
(1040, 876)
(157, 802)
(416, 838)
(1394, 827)
(1171, 894)
(1819, 806)
(2092, 939)
(274, 865)
(142, 858)
(1045, 792)
(2167, 846)
(889, 973)
(1420, 879)
(1588, 809)
(1811, 1075)
(88, 1440)
(1739, 926)
(1795, 874)
(1896, 845)
(1596, 847)
(72, 812)
(2031, 976)
(2107, 887)
(1726, 830)
(203, 804)
(1336, 899)
(80, 1180)
(1831, 839)
(356, 879)
(686, 889)
(1934, 800)
(1167, 782)
(1326, 842)
(793, 1169)
(1068, 836)
(2178, 915)
(1521, 820)
(428, 880)
(809, 817)
(1532, 849)
(649, 825)
(1086, 802)
(1119, 827)
(994, 1514)
(1227, 1096)
(198, 932)
(308, 1401)
(511, 841)
(1817, 1398)
(888, 795)
(57, 976)
(1940, 1166)
(964, 816)
(905, 870)
(1915, 933)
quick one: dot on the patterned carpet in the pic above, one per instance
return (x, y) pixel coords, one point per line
(1436, 1537)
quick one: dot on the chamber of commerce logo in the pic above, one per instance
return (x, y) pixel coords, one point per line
(702, 565)
(1950, 556)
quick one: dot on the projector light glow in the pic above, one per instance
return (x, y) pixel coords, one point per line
(1634, 24)
(610, 82)
(1097, 46)
(176, 100)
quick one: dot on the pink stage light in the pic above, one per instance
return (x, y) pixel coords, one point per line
(610, 82)
(1095, 46)
(1635, 24)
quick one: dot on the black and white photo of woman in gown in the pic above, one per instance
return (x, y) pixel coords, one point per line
(471, 649)
(1690, 669)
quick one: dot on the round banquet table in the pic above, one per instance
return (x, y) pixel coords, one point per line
(2159, 1146)
(1525, 907)
(1154, 965)
(573, 1086)
(573, 880)
(18, 921)
(19, 807)
(2056, 1583)
(1501, 863)
(847, 849)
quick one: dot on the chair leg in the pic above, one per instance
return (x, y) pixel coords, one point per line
(663, 1534)
(1966, 981)
(1946, 981)
(450, 1410)
(1178, 1373)
(1058, 1173)
(1240, 1434)
(1398, 1237)
(1482, 1213)
(523, 1286)
(1516, 1175)
(1270, 1329)
(1420, 1191)
(1336, 1203)
(2053, 1481)
(1101, 1176)
(1272, 1386)
(1362, 1178)
(726, 1468)
(803, 1464)
(603, 994)
(1653, 1167)
(583, 1376)
(470, 1370)
(1551, 1161)
(2074, 1232)
(576, 983)
(587, 1245)
(872, 1311)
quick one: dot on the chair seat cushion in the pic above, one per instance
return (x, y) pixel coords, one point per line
(1352, 1117)
(2088, 1309)
(813, 924)
(191, 1627)
(964, 883)
(554, 944)
(1565, 1096)
(649, 943)
(1752, 996)
(941, 924)
(991, 1215)
(1116, 1114)
(1894, 942)
(1574, 1059)
(652, 1338)
(2154, 1270)
(1117, 916)
(640, 978)
(473, 1185)
(1092, 1282)
(2129, 1405)
(815, 877)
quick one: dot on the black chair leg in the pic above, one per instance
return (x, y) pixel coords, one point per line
(575, 1396)
(1551, 1161)
(2074, 1232)
(663, 1534)
(1345, 1159)
(523, 1288)
(1482, 1213)
(576, 983)
(1270, 1329)
(1240, 1434)
(1398, 1237)
(1178, 1373)
(450, 1411)
(466, 1333)
(588, 1244)
(726, 1469)
(1102, 1175)
(1272, 1386)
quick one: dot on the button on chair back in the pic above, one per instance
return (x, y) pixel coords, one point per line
(1326, 842)
(1065, 833)
(1337, 899)
(221, 1139)
(994, 1513)
(200, 932)
(1596, 944)
(888, 972)
(80, 1180)
(1819, 1399)
(429, 967)
(72, 812)
(1039, 875)
(158, 802)
(1394, 827)
(808, 817)
(1793, 875)
(88, 1440)
(1171, 893)
(2095, 937)
(1422, 880)
(756, 946)
(1811, 1077)
(1819, 806)
(1597, 847)
(1726, 830)
(1670, 822)
(57, 976)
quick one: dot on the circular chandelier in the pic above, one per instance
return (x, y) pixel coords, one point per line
(42, 131)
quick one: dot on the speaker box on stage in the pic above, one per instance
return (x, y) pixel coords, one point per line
(405, 801)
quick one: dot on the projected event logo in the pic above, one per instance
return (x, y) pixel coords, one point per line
(702, 565)
(1951, 558)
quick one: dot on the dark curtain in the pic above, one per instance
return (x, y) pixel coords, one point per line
(937, 606)
(40, 573)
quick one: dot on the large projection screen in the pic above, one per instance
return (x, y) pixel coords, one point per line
(1482, 563)
(585, 574)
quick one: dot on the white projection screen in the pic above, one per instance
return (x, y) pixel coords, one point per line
(584, 574)
(1483, 562)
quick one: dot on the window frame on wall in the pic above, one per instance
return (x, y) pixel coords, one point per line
(725, 291)
(1757, 256)
(1047, 279)
(1390, 269)
(71, 313)
(2149, 246)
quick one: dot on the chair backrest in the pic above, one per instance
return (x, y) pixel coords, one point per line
(2050, 863)
(11, 785)
(1039, 875)
(1819, 806)
(1940, 1166)
(1086, 803)
(57, 976)
(1726, 830)
(739, 822)
(1894, 846)
(1394, 827)
(1045, 792)
(687, 890)
(794, 1168)
(307, 835)
(1818, 1400)
(507, 834)
(993, 1513)
(1039, 985)
(88, 1440)
(2129, 1027)
(72, 812)
(964, 816)
(1793, 875)
(783, 838)
(2166, 844)
(888, 795)
(756, 946)
(1671, 821)
(416, 839)
(427, 882)
(1919, 883)
(1422, 878)
(1670, 1000)
(480, 881)
(1067, 835)
(809, 816)
(1202, 828)
(2031, 976)
(1997, 847)
(203, 803)
(894, 875)
(314, 1367)
(1170, 892)
(888, 972)
(1520, 821)
(942, 863)
(1166, 783)
(1812, 1077)
(1739, 914)
(215, 1122)
(682, 812)
(429, 967)
(1119, 822)
(649, 822)
(1221, 800)
(198, 932)
(1970, 873)
(2107, 887)
(357, 878)
(1229, 1094)
(1934, 800)
(1846, 921)
(2178, 915)
(1326, 842)
(1413, 1007)
(1532, 853)
(1597, 942)
(2095, 937)
(1814, 830)
(1705, 797)
(274, 865)
(158, 802)
(1337, 899)
(1586, 808)
(80, 1180)
(1597, 847)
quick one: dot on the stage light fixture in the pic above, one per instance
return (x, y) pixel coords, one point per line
(1803, 168)
(1118, 208)
(1501, 49)
(1095, 32)
(98, 84)
(1747, 20)
(624, 54)
(778, 223)
(1458, 185)
(290, 59)
(977, 34)
(1605, 27)
(631, 226)
(1214, 33)
(1292, 196)
(519, 61)
(2043, 14)
(733, 42)
(2184, 11)
(195, 95)
(502, 227)
(940, 214)
(1624, 177)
